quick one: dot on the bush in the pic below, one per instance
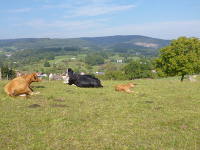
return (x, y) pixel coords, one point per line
(94, 59)
(7, 73)
(113, 75)
(139, 69)
(47, 64)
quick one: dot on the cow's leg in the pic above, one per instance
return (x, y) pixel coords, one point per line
(30, 88)
(32, 93)
(11, 92)
(129, 91)
(28, 91)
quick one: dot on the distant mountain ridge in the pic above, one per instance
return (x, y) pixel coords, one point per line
(115, 43)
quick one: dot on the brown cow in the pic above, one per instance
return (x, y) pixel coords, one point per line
(124, 87)
(21, 85)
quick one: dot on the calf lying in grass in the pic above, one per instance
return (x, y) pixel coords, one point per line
(20, 86)
(124, 87)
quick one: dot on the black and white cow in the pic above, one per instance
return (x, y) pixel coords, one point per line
(81, 80)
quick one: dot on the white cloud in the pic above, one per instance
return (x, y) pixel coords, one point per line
(46, 1)
(20, 10)
(99, 27)
(95, 10)
(50, 6)
(89, 7)
(64, 25)
(166, 30)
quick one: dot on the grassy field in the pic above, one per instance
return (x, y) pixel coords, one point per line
(162, 114)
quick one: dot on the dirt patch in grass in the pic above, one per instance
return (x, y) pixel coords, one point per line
(59, 105)
(158, 108)
(149, 102)
(142, 95)
(39, 86)
(34, 106)
(59, 100)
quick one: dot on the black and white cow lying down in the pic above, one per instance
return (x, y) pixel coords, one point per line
(81, 80)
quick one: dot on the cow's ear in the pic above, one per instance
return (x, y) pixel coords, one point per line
(34, 75)
(69, 70)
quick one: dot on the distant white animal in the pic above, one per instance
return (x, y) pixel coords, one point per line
(192, 78)
(66, 79)
(50, 76)
(55, 77)
(82, 73)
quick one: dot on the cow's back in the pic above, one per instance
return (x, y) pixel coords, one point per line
(88, 81)
(15, 86)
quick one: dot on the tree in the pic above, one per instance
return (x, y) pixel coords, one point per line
(181, 57)
(2, 59)
(46, 64)
(7, 73)
(115, 75)
(138, 69)
(94, 59)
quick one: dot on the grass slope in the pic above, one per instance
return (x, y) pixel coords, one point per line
(162, 114)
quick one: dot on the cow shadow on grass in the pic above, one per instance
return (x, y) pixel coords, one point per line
(59, 105)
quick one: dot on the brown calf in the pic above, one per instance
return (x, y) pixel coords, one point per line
(124, 87)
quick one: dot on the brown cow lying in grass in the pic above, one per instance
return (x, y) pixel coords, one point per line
(124, 87)
(20, 86)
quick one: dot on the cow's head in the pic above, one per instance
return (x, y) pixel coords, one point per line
(32, 78)
(69, 72)
(131, 85)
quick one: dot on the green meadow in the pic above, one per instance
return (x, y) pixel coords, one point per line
(162, 114)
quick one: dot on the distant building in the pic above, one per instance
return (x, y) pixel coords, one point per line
(99, 73)
(8, 55)
(119, 61)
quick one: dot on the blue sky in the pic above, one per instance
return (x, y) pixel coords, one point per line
(167, 19)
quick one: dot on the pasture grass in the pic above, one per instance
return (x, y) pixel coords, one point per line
(162, 114)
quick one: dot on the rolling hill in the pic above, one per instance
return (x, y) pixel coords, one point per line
(117, 43)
